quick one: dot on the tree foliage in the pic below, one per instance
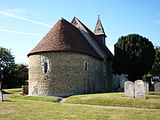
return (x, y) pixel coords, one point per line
(12, 75)
(7, 64)
(155, 71)
(21, 74)
(134, 56)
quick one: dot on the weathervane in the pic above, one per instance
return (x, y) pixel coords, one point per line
(98, 16)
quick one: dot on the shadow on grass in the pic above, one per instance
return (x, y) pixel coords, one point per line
(4, 92)
(8, 101)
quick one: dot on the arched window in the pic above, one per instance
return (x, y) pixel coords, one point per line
(45, 66)
(85, 65)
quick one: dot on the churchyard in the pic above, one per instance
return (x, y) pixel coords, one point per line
(100, 106)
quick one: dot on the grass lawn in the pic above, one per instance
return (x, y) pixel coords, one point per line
(115, 99)
(18, 107)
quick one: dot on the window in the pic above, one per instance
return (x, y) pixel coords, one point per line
(45, 66)
(85, 65)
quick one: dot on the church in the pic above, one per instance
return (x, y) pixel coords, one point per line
(70, 60)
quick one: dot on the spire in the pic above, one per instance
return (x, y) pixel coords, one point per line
(99, 32)
(99, 28)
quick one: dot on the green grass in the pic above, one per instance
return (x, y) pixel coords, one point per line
(115, 99)
(17, 107)
(36, 98)
(16, 94)
(15, 90)
(20, 109)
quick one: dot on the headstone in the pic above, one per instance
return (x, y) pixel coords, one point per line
(25, 89)
(157, 88)
(140, 89)
(147, 87)
(1, 96)
(129, 89)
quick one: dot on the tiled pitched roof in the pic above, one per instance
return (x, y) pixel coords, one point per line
(103, 47)
(64, 37)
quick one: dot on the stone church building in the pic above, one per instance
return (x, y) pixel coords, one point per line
(69, 60)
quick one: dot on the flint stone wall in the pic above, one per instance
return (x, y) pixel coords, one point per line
(66, 74)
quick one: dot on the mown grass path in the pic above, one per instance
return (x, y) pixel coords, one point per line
(82, 107)
(109, 107)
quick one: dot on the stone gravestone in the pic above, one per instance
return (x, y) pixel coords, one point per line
(129, 89)
(1, 96)
(147, 87)
(157, 88)
(140, 89)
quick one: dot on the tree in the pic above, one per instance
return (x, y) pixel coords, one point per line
(21, 74)
(12, 75)
(155, 71)
(7, 64)
(134, 56)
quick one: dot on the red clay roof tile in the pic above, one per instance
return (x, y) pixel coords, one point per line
(64, 37)
(103, 47)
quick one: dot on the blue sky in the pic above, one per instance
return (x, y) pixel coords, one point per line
(23, 23)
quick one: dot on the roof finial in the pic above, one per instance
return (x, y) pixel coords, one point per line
(62, 18)
(98, 16)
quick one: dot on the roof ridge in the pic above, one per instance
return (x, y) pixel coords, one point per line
(64, 36)
(103, 48)
(89, 38)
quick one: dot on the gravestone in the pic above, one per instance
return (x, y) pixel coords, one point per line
(129, 89)
(140, 89)
(157, 88)
(147, 87)
(24, 89)
(1, 96)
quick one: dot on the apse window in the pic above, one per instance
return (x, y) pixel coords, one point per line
(85, 65)
(45, 67)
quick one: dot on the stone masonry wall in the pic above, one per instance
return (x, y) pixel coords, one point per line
(67, 74)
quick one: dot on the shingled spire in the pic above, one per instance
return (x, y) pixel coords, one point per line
(99, 31)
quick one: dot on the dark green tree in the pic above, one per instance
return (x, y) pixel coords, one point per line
(155, 71)
(134, 56)
(21, 74)
(7, 65)
(12, 75)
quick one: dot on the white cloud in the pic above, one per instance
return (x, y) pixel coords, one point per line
(17, 11)
(23, 18)
(19, 32)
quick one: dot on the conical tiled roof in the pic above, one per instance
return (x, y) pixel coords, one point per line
(64, 37)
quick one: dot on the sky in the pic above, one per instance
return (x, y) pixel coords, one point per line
(23, 23)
